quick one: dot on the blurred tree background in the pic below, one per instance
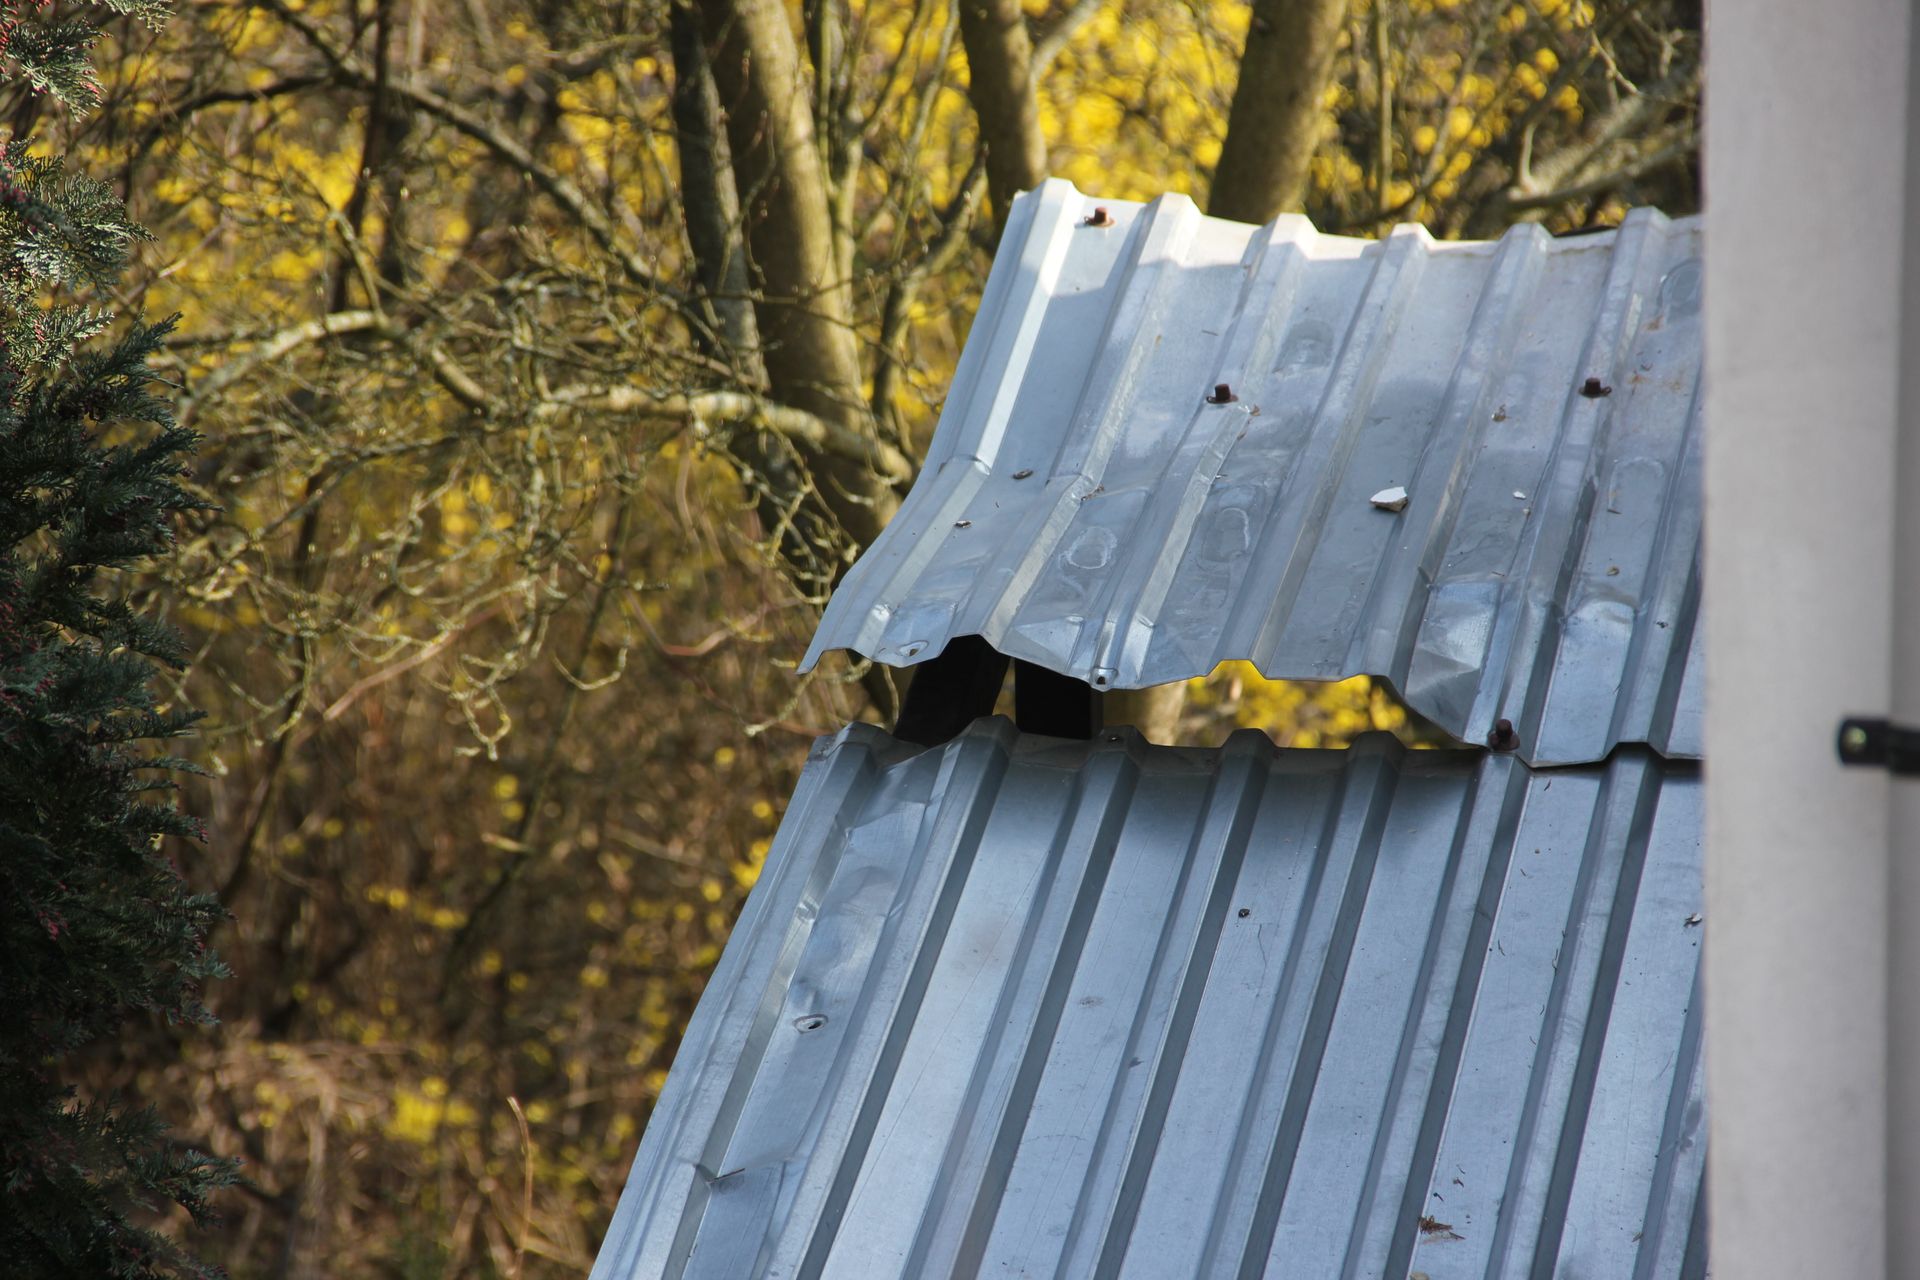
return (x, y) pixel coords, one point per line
(553, 357)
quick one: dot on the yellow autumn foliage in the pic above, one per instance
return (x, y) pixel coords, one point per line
(502, 706)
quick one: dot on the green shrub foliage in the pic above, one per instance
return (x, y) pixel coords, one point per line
(96, 923)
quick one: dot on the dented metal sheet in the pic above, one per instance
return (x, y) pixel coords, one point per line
(1174, 440)
(1022, 1006)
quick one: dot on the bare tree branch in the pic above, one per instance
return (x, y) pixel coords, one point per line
(271, 348)
(557, 186)
(955, 221)
(349, 69)
(1630, 117)
(823, 435)
(1058, 36)
(1673, 154)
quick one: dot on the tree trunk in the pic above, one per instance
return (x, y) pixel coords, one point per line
(1275, 122)
(710, 205)
(1001, 87)
(782, 251)
(1155, 712)
(803, 303)
(709, 202)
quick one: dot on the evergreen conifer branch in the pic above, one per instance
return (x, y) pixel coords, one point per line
(97, 925)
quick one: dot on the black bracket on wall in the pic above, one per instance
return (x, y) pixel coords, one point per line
(1867, 740)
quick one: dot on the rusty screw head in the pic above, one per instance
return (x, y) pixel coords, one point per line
(1099, 217)
(1593, 389)
(1222, 394)
(1503, 738)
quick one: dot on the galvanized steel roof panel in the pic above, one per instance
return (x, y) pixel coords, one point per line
(1031, 1007)
(1083, 506)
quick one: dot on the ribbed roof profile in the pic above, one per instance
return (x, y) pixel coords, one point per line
(1085, 506)
(1024, 1006)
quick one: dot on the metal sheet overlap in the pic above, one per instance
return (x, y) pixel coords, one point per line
(1084, 506)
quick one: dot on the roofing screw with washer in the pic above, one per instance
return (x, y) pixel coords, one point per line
(1099, 218)
(810, 1022)
(1503, 738)
(1593, 389)
(1222, 394)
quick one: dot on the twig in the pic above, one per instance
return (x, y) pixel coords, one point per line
(327, 326)
(955, 219)
(822, 434)
(526, 1188)
(348, 69)
(738, 406)
(1383, 107)
(1048, 44)
(1606, 181)
(366, 684)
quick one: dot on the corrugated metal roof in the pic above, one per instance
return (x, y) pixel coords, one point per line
(1083, 507)
(1023, 1006)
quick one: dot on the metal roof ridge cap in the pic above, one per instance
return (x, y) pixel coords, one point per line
(1333, 426)
(1148, 263)
(1648, 236)
(1016, 280)
(1559, 534)
(1272, 261)
(1442, 475)
(1051, 213)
